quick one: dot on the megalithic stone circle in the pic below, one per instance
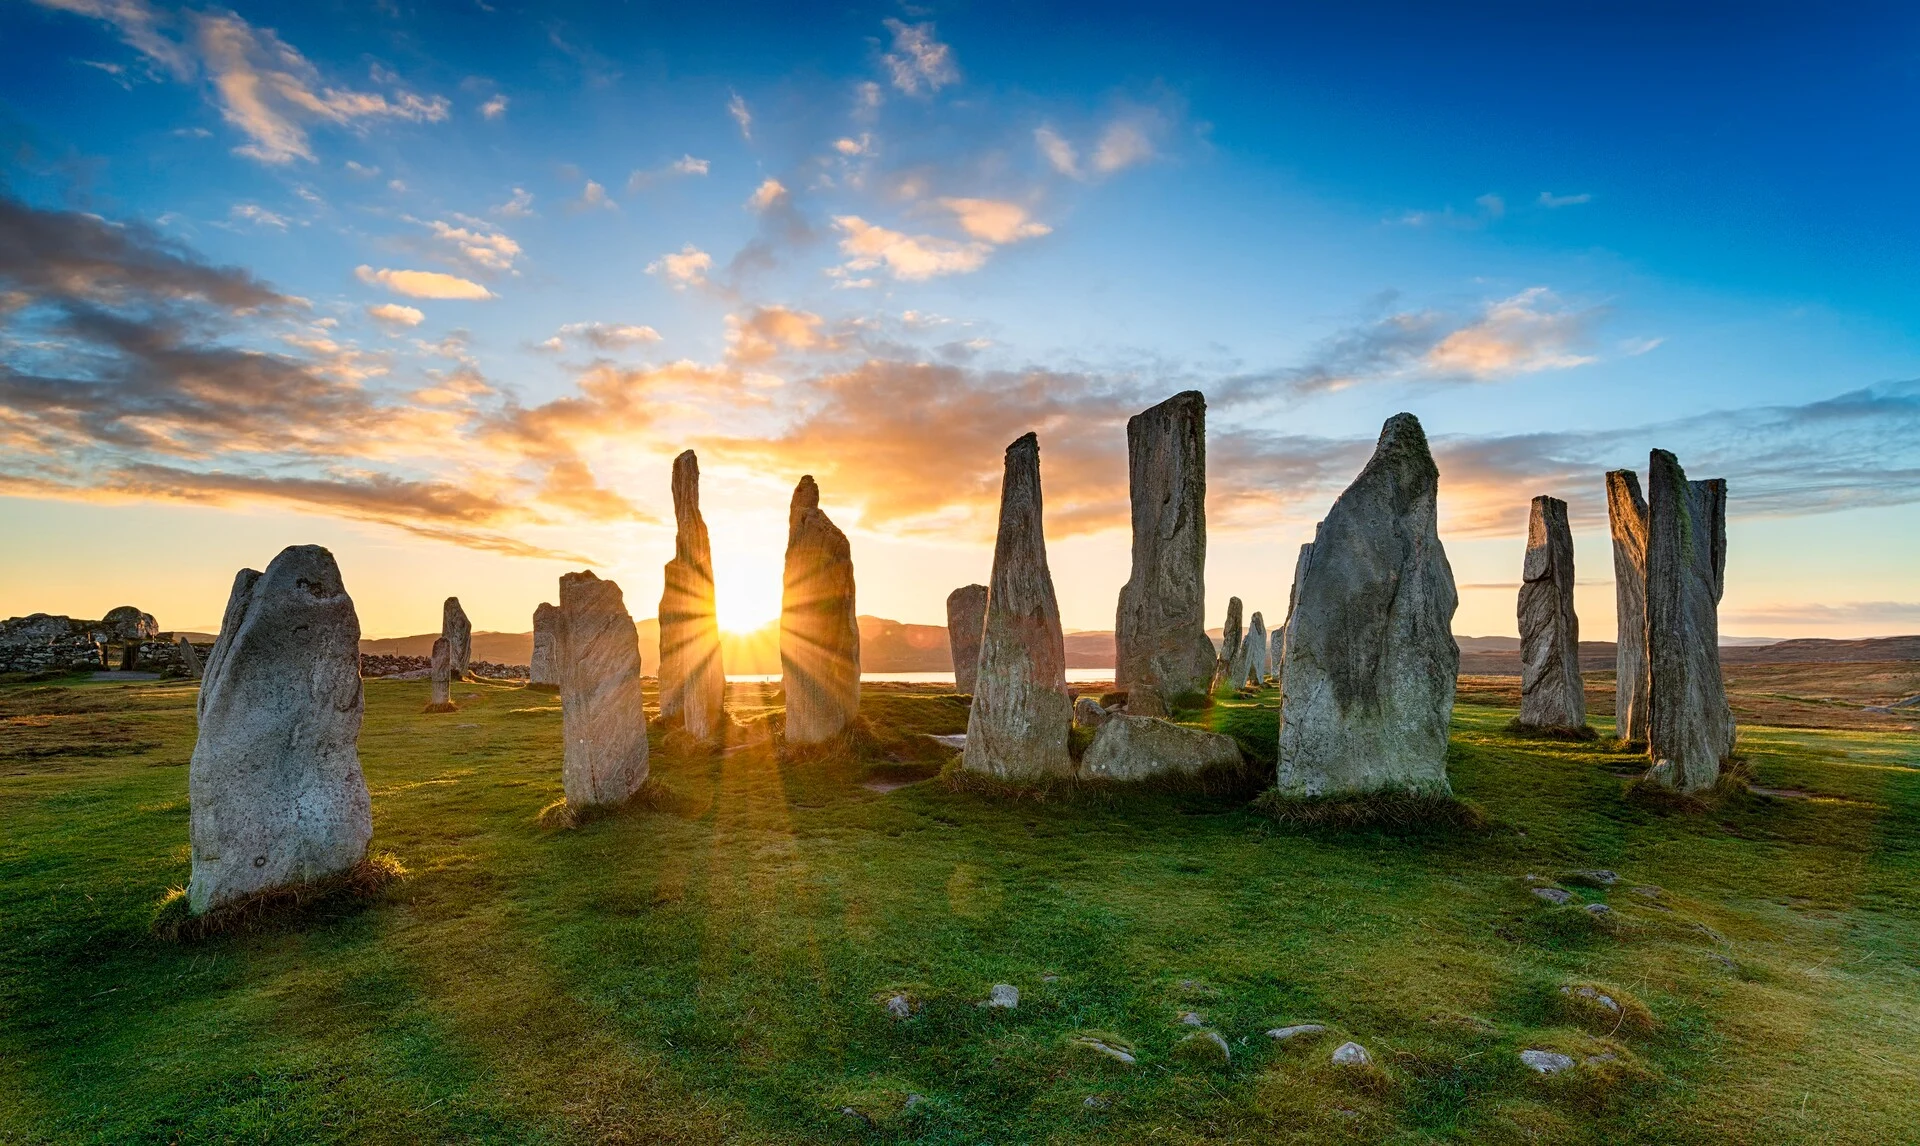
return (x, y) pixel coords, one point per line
(1160, 628)
(603, 721)
(966, 617)
(693, 682)
(458, 632)
(819, 626)
(1690, 728)
(1627, 521)
(542, 671)
(1551, 693)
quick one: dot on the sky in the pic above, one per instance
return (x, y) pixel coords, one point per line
(445, 287)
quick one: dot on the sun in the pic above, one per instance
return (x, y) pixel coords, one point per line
(746, 598)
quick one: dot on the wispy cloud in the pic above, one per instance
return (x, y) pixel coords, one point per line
(742, 115)
(258, 216)
(682, 167)
(494, 108)
(609, 335)
(1549, 199)
(919, 61)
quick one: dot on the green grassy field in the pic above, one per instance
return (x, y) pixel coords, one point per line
(714, 970)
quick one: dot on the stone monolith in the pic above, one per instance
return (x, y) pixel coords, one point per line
(819, 629)
(693, 684)
(542, 671)
(1230, 638)
(1627, 520)
(275, 793)
(1253, 654)
(458, 632)
(966, 616)
(603, 722)
(1367, 688)
(189, 658)
(1690, 728)
(1017, 727)
(440, 672)
(1293, 598)
(1551, 693)
(1160, 629)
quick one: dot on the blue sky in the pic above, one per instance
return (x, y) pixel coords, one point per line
(487, 268)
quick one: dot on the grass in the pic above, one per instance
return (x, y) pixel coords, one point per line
(712, 963)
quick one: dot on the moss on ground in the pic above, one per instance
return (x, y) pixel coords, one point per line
(713, 963)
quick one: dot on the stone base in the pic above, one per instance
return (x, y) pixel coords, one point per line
(1131, 747)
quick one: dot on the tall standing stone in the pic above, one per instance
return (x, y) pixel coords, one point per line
(1017, 727)
(1551, 693)
(819, 628)
(601, 715)
(1230, 638)
(275, 793)
(966, 616)
(693, 685)
(1253, 654)
(189, 658)
(1293, 598)
(1367, 689)
(1160, 629)
(542, 670)
(440, 672)
(1627, 520)
(458, 632)
(1690, 728)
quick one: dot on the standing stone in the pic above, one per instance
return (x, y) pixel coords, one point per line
(1253, 654)
(441, 673)
(1017, 727)
(819, 629)
(458, 632)
(1690, 728)
(601, 715)
(966, 616)
(1551, 694)
(189, 658)
(1367, 688)
(1293, 599)
(1160, 630)
(1230, 639)
(542, 670)
(275, 793)
(693, 685)
(1627, 518)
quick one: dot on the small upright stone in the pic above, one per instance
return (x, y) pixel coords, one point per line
(441, 673)
(819, 629)
(1160, 630)
(189, 658)
(1627, 520)
(1690, 729)
(1253, 654)
(458, 632)
(542, 672)
(966, 617)
(1017, 726)
(601, 716)
(1230, 638)
(693, 684)
(275, 793)
(1551, 693)
(1367, 688)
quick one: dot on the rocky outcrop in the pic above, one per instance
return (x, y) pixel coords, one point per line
(966, 617)
(1230, 638)
(1690, 728)
(693, 684)
(1138, 747)
(1160, 630)
(542, 670)
(275, 793)
(1551, 693)
(1017, 726)
(602, 718)
(441, 674)
(1627, 519)
(1367, 688)
(819, 633)
(458, 633)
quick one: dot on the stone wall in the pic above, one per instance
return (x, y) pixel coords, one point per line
(125, 638)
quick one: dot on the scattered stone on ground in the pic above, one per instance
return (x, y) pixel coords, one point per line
(1136, 747)
(275, 794)
(1593, 995)
(1098, 1101)
(899, 1006)
(1161, 646)
(1551, 693)
(966, 617)
(1371, 660)
(1553, 894)
(693, 682)
(1102, 1047)
(1282, 1034)
(602, 717)
(1204, 1046)
(819, 627)
(1690, 728)
(1003, 995)
(1627, 519)
(1595, 877)
(1192, 1019)
(1351, 1054)
(1597, 909)
(1546, 1061)
(1017, 726)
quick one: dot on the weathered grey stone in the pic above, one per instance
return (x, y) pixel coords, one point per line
(1131, 747)
(1554, 895)
(1101, 1047)
(1017, 726)
(1160, 630)
(819, 630)
(275, 792)
(1004, 995)
(601, 715)
(189, 658)
(458, 632)
(1367, 688)
(1546, 1061)
(693, 683)
(127, 625)
(1351, 1054)
(1627, 519)
(1207, 1047)
(1251, 666)
(542, 671)
(1551, 693)
(1230, 638)
(1087, 713)
(1690, 728)
(1282, 1034)
(1293, 598)
(899, 1007)
(441, 674)
(966, 618)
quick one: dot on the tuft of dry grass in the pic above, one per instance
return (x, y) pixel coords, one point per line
(275, 907)
(1392, 812)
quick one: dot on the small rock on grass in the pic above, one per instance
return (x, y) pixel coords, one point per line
(1593, 995)
(1553, 895)
(1351, 1054)
(1594, 877)
(1119, 1054)
(1097, 1102)
(1598, 909)
(1192, 1019)
(1003, 995)
(1546, 1061)
(899, 1006)
(1282, 1034)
